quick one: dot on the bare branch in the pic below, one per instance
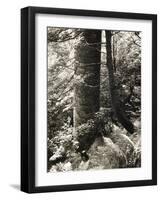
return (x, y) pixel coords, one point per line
(134, 41)
(137, 34)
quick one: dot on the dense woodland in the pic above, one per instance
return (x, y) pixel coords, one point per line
(94, 99)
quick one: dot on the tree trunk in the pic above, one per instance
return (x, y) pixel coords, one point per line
(87, 83)
(113, 50)
(87, 76)
(116, 103)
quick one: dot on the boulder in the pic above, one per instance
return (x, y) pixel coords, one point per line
(104, 154)
(124, 144)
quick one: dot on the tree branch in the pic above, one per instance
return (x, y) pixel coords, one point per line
(135, 42)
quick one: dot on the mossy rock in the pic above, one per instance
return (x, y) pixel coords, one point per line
(124, 144)
(104, 154)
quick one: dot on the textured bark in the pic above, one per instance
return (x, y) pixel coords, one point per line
(114, 45)
(116, 103)
(87, 76)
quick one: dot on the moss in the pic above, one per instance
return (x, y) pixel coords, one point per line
(104, 154)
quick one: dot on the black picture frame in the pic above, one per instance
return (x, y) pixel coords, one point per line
(28, 98)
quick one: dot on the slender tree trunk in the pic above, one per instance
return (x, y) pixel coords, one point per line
(114, 54)
(116, 103)
(87, 76)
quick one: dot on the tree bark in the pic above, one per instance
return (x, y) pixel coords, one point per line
(116, 103)
(114, 58)
(87, 76)
(87, 87)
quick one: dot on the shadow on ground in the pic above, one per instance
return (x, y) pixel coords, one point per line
(15, 186)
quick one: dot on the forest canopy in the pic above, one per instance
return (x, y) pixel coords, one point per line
(94, 99)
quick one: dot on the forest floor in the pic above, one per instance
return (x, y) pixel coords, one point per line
(120, 150)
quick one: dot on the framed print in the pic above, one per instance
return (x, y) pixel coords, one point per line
(88, 99)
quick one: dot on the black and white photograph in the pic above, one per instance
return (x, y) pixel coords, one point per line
(93, 99)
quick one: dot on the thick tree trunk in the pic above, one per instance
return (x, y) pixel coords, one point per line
(87, 76)
(87, 85)
(116, 103)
